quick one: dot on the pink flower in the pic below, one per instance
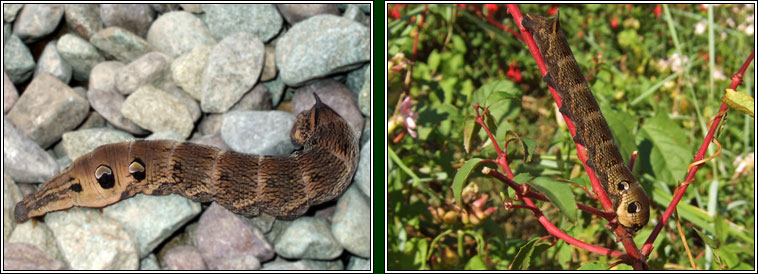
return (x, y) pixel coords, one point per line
(657, 11)
(409, 116)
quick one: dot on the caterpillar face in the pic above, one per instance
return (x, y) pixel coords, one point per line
(632, 207)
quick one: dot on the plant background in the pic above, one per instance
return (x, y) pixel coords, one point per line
(651, 69)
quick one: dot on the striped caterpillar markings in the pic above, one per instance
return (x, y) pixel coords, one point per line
(629, 199)
(247, 184)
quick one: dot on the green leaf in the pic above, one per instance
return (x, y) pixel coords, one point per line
(740, 101)
(470, 129)
(524, 256)
(559, 193)
(530, 145)
(710, 242)
(663, 149)
(434, 59)
(475, 263)
(720, 226)
(593, 266)
(461, 176)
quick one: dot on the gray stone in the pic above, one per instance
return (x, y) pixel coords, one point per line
(164, 8)
(353, 12)
(23, 159)
(52, 62)
(295, 13)
(234, 66)
(36, 21)
(103, 76)
(210, 124)
(261, 20)
(269, 64)
(90, 241)
(149, 263)
(211, 140)
(21, 256)
(258, 132)
(183, 258)
(149, 69)
(319, 46)
(177, 32)
(335, 95)
(187, 70)
(154, 110)
(184, 97)
(80, 142)
(364, 95)
(10, 11)
(83, 19)
(94, 120)
(150, 226)
(81, 55)
(357, 78)
(7, 32)
(133, 17)
(108, 104)
(10, 94)
(193, 8)
(308, 238)
(18, 60)
(363, 174)
(276, 88)
(226, 241)
(358, 263)
(165, 135)
(47, 109)
(350, 224)
(11, 196)
(38, 235)
(122, 44)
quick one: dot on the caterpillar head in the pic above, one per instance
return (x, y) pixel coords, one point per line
(633, 208)
(308, 121)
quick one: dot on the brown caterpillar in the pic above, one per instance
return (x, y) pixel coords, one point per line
(281, 186)
(629, 199)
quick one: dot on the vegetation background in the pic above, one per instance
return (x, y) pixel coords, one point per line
(658, 73)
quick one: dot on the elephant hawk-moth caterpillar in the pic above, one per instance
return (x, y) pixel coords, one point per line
(247, 184)
(563, 73)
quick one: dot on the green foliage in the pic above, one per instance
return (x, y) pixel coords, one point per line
(651, 77)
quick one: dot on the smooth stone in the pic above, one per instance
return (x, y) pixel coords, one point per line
(164, 8)
(10, 11)
(103, 76)
(83, 19)
(183, 258)
(150, 226)
(23, 159)
(177, 32)
(300, 265)
(80, 54)
(18, 60)
(133, 17)
(363, 174)
(148, 69)
(349, 222)
(276, 88)
(225, 240)
(193, 8)
(192, 105)
(21, 256)
(109, 104)
(319, 46)
(149, 263)
(187, 70)
(80, 142)
(358, 263)
(122, 44)
(335, 95)
(308, 238)
(269, 64)
(234, 66)
(38, 235)
(258, 132)
(261, 20)
(211, 140)
(47, 109)
(154, 109)
(37, 20)
(93, 120)
(11, 196)
(295, 13)
(52, 62)
(353, 12)
(10, 94)
(90, 241)
(165, 135)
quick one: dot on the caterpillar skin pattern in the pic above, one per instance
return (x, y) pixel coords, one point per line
(247, 184)
(563, 73)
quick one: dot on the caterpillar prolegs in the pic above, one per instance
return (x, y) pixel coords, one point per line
(563, 73)
(247, 184)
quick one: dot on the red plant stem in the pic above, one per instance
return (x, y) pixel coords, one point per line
(631, 248)
(647, 248)
(501, 157)
(498, 25)
(632, 159)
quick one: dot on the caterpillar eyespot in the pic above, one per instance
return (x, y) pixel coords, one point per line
(630, 202)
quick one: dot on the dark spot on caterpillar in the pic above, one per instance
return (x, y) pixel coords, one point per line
(178, 166)
(76, 187)
(104, 176)
(137, 169)
(623, 185)
(633, 207)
